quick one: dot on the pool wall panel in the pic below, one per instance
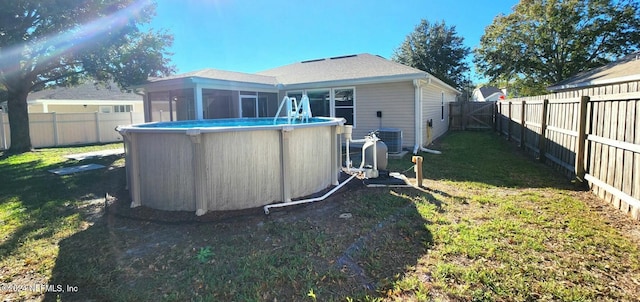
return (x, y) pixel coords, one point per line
(310, 160)
(165, 169)
(242, 169)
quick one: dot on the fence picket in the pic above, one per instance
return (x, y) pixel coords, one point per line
(61, 129)
(598, 139)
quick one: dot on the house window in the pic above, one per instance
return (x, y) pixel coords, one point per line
(333, 102)
(442, 106)
(344, 104)
(267, 104)
(320, 102)
(122, 108)
(105, 109)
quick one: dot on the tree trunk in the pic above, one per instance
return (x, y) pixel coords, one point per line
(19, 121)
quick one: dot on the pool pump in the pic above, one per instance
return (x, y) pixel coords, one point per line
(374, 154)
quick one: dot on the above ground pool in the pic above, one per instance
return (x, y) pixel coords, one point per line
(229, 164)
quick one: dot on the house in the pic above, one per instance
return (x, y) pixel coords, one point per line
(621, 76)
(487, 94)
(86, 97)
(369, 91)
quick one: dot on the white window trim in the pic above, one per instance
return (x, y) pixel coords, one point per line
(353, 107)
(248, 96)
(332, 100)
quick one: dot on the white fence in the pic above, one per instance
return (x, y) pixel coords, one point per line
(65, 129)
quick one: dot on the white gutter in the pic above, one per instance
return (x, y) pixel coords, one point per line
(355, 81)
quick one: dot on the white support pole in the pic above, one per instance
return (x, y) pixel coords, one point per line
(198, 103)
(198, 171)
(3, 135)
(285, 164)
(98, 138)
(55, 129)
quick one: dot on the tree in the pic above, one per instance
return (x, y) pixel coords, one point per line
(437, 49)
(543, 42)
(49, 43)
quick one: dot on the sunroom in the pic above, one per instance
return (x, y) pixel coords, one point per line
(209, 94)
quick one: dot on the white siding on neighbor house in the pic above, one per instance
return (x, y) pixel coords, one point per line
(395, 100)
(432, 109)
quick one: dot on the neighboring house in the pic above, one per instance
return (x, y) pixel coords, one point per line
(487, 94)
(370, 92)
(87, 97)
(621, 76)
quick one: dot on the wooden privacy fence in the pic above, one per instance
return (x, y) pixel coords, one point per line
(596, 139)
(471, 115)
(64, 129)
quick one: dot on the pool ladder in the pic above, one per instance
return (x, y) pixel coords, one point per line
(301, 111)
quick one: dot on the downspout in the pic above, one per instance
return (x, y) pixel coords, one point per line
(418, 118)
(418, 115)
(145, 103)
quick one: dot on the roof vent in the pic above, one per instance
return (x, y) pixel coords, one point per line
(310, 61)
(343, 57)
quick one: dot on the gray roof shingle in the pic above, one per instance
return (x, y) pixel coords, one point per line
(360, 66)
(344, 68)
(85, 91)
(623, 70)
(210, 73)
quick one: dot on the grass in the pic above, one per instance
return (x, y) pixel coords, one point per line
(490, 225)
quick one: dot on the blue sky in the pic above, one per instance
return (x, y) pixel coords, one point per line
(254, 35)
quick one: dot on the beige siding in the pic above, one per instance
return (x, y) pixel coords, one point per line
(73, 108)
(432, 110)
(395, 100)
(35, 108)
(78, 108)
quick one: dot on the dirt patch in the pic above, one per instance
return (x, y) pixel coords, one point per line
(119, 206)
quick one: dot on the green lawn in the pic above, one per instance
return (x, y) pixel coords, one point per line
(489, 225)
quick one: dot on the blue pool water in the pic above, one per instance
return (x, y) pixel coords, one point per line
(225, 123)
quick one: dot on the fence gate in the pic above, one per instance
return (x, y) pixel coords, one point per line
(471, 115)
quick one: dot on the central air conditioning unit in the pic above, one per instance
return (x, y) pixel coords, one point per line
(391, 137)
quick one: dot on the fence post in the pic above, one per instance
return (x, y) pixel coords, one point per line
(495, 116)
(542, 142)
(500, 118)
(55, 129)
(582, 137)
(523, 111)
(97, 115)
(509, 122)
(3, 136)
(464, 110)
